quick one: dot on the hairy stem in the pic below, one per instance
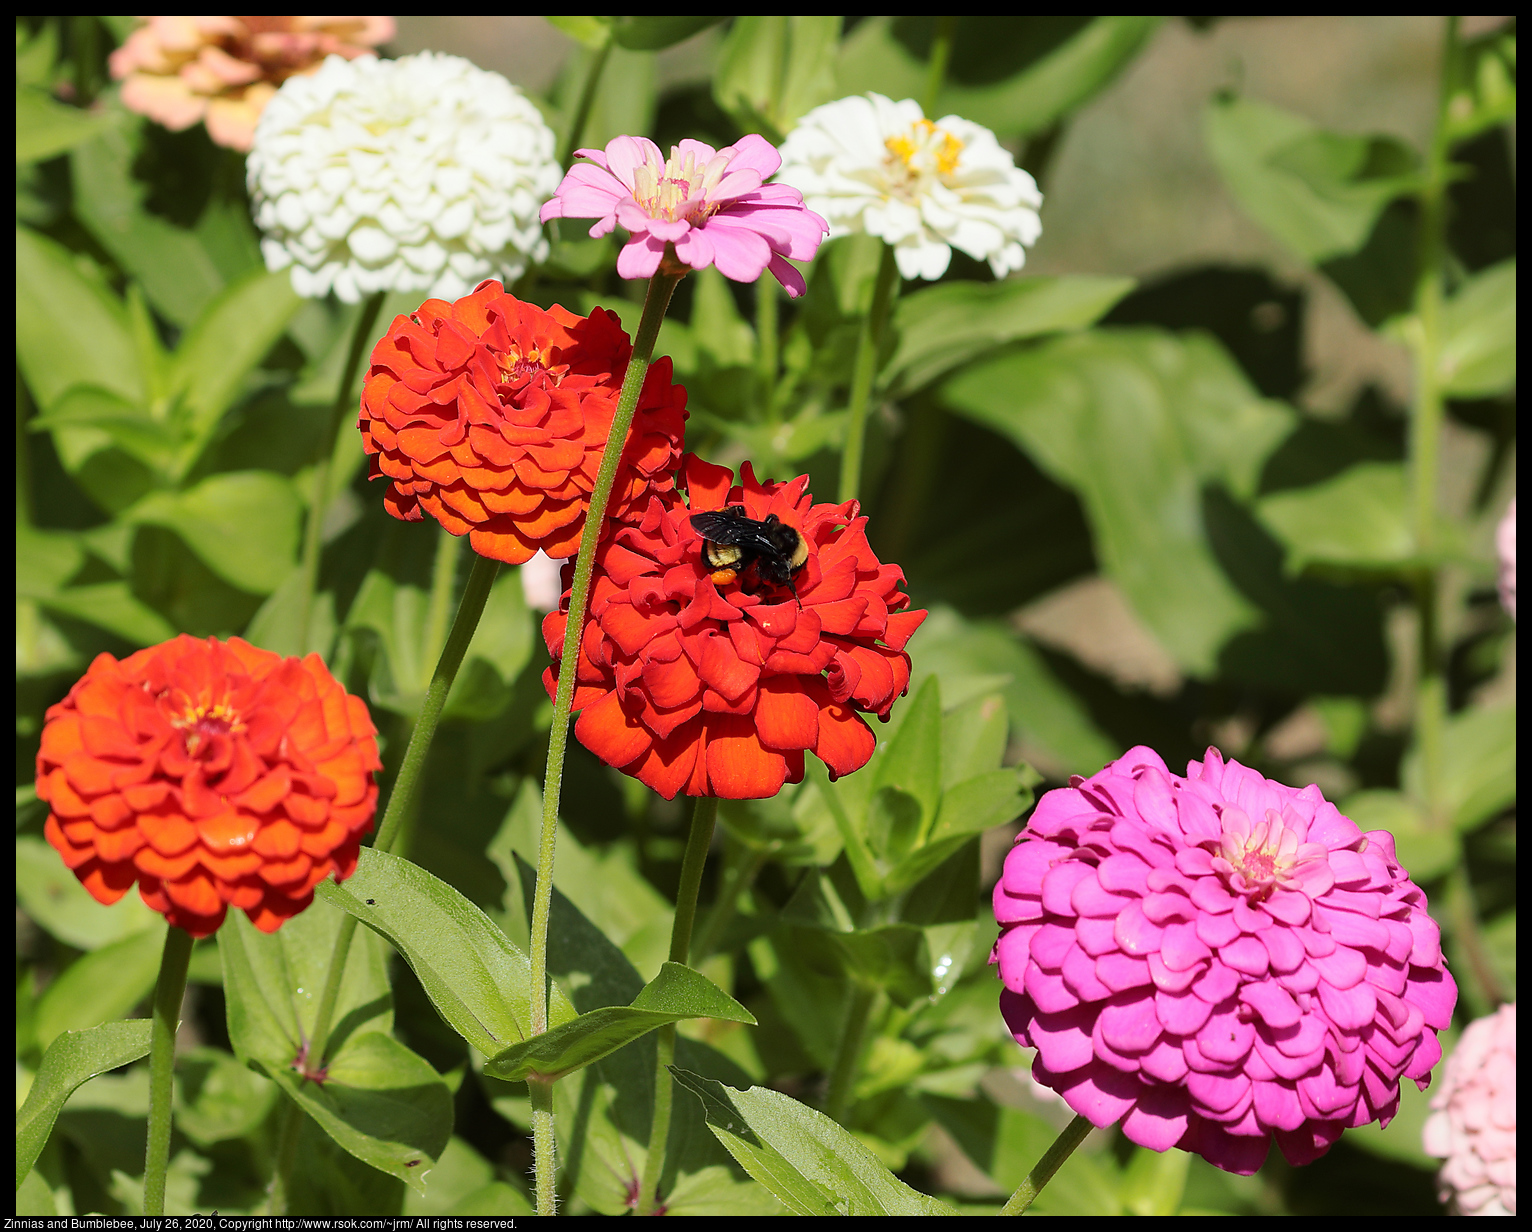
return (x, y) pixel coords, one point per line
(660, 288)
(869, 343)
(1063, 1147)
(175, 959)
(704, 814)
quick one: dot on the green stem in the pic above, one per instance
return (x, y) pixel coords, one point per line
(287, 1157)
(868, 344)
(936, 64)
(1425, 433)
(324, 466)
(848, 1056)
(766, 345)
(475, 594)
(742, 865)
(1063, 1147)
(587, 100)
(660, 288)
(174, 961)
(704, 814)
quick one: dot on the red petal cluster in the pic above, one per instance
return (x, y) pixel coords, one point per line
(214, 774)
(719, 691)
(491, 415)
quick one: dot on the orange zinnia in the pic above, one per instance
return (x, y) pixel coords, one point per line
(716, 683)
(491, 415)
(214, 774)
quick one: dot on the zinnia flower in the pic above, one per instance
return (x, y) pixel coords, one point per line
(712, 205)
(716, 686)
(224, 70)
(870, 164)
(1473, 1118)
(214, 774)
(1505, 548)
(491, 415)
(419, 174)
(1216, 959)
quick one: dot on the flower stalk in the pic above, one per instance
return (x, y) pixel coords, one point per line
(1425, 432)
(661, 286)
(869, 344)
(1063, 1147)
(848, 1056)
(175, 960)
(324, 466)
(704, 814)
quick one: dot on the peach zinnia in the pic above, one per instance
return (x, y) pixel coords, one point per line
(214, 774)
(491, 416)
(716, 682)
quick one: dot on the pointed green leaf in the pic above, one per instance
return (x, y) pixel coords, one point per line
(127, 424)
(71, 1059)
(102, 985)
(1478, 770)
(912, 763)
(677, 992)
(56, 901)
(812, 1165)
(45, 127)
(774, 69)
(1478, 358)
(1356, 518)
(943, 326)
(243, 525)
(644, 33)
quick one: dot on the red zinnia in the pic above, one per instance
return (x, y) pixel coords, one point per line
(214, 774)
(718, 688)
(491, 415)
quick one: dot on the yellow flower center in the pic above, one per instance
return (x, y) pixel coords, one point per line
(201, 722)
(923, 151)
(679, 189)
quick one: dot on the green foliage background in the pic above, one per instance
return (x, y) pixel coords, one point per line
(1132, 507)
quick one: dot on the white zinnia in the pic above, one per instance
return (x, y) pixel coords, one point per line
(418, 174)
(870, 164)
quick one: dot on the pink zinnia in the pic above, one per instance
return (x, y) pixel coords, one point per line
(1505, 548)
(1473, 1118)
(712, 205)
(1217, 958)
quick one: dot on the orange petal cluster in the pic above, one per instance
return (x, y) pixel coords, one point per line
(491, 415)
(181, 69)
(719, 690)
(214, 774)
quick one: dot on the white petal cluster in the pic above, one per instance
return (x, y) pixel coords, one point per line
(418, 174)
(870, 164)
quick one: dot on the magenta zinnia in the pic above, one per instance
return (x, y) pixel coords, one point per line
(1216, 959)
(712, 205)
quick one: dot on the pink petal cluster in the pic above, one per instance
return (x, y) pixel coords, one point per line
(1505, 549)
(714, 206)
(181, 69)
(1216, 959)
(1473, 1118)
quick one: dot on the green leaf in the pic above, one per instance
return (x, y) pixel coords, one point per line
(591, 32)
(56, 901)
(808, 1161)
(1426, 851)
(1478, 357)
(70, 328)
(1486, 88)
(45, 560)
(474, 975)
(233, 334)
(1138, 422)
(102, 985)
(912, 763)
(382, 1103)
(70, 1060)
(1320, 193)
(170, 262)
(1357, 518)
(943, 326)
(1016, 75)
(242, 524)
(45, 127)
(677, 992)
(217, 1098)
(1478, 770)
(657, 33)
(114, 607)
(500, 649)
(773, 69)
(890, 956)
(127, 425)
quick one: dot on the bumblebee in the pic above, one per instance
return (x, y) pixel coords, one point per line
(732, 543)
